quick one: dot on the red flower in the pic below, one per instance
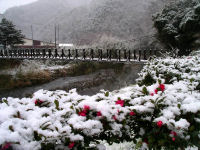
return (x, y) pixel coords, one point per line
(120, 102)
(162, 87)
(173, 133)
(132, 113)
(71, 145)
(38, 102)
(159, 124)
(115, 118)
(146, 141)
(82, 113)
(173, 139)
(6, 146)
(152, 94)
(156, 91)
(99, 114)
(86, 107)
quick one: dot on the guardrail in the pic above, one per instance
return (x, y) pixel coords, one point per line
(79, 54)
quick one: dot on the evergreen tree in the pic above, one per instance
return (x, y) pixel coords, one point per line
(178, 25)
(9, 36)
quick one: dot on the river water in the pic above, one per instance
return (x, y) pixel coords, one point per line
(86, 84)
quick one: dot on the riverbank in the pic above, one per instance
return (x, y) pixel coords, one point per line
(19, 74)
(114, 76)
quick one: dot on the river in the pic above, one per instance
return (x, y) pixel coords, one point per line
(106, 79)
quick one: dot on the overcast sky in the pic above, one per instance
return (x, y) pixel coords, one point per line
(5, 4)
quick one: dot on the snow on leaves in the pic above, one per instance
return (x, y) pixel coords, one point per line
(162, 114)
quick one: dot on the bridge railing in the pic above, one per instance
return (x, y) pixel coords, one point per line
(80, 54)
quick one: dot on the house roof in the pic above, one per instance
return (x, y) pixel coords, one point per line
(40, 41)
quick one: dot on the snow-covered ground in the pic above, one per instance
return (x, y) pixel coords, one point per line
(28, 66)
(162, 109)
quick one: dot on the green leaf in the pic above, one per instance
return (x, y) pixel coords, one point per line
(160, 101)
(36, 136)
(11, 128)
(5, 101)
(159, 81)
(57, 104)
(192, 128)
(192, 80)
(152, 101)
(45, 127)
(107, 94)
(145, 91)
(179, 106)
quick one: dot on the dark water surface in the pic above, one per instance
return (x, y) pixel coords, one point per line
(86, 84)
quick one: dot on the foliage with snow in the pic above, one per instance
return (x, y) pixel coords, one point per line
(87, 22)
(161, 111)
(178, 24)
(9, 35)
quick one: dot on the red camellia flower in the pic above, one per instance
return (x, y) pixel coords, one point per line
(120, 102)
(156, 91)
(6, 146)
(152, 94)
(146, 141)
(86, 107)
(162, 87)
(114, 117)
(173, 133)
(132, 113)
(38, 102)
(159, 124)
(82, 113)
(71, 145)
(99, 114)
(173, 139)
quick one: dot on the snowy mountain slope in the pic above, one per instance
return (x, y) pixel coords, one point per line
(85, 22)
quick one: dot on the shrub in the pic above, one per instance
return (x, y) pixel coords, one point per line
(178, 25)
(161, 115)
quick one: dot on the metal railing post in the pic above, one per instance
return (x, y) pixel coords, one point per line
(84, 55)
(91, 54)
(134, 57)
(125, 55)
(129, 55)
(50, 53)
(100, 54)
(119, 55)
(76, 54)
(44, 52)
(139, 55)
(145, 57)
(63, 54)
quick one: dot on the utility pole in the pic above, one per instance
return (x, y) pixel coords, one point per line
(32, 34)
(58, 34)
(55, 36)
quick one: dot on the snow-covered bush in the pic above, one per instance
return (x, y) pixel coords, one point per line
(178, 25)
(161, 111)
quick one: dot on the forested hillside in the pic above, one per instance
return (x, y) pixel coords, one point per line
(85, 22)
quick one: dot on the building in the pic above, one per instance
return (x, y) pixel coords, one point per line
(29, 43)
(65, 45)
